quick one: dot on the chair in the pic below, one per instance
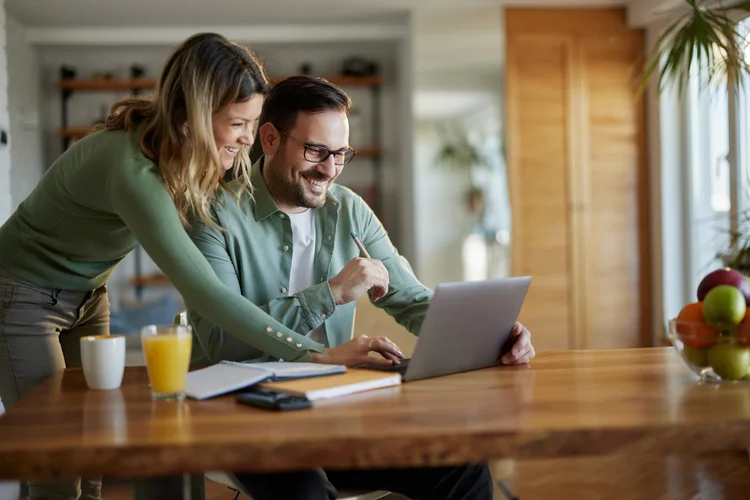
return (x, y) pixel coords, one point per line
(228, 479)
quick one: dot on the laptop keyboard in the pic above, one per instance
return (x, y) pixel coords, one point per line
(399, 368)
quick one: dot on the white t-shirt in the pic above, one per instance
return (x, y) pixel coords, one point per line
(303, 256)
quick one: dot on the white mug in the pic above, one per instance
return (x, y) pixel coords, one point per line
(103, 360)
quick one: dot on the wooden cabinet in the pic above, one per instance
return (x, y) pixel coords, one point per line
(576, 159)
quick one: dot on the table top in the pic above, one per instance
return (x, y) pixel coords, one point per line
(634, 401)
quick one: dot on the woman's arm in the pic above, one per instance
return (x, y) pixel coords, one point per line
(141, 200)
(301, 312)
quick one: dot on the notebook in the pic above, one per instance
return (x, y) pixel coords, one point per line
(354, 380)
(229, 376)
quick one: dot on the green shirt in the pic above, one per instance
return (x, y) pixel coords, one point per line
(254, 256)
(96, 202)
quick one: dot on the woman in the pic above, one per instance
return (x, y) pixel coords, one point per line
(157, 162)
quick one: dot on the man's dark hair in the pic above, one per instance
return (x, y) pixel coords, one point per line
(297, 94)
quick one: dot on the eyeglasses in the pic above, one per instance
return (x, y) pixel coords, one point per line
(319, 154)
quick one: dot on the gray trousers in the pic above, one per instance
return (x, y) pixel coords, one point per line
(40, 331)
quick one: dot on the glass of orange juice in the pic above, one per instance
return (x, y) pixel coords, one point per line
(167, 352)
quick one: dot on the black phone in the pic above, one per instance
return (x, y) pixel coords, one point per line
(273, 400)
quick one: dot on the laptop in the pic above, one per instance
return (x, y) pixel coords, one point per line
(466, 326)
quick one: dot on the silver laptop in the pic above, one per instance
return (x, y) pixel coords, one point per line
(467, 325)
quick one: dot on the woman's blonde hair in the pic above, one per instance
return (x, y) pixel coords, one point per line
(203, 76)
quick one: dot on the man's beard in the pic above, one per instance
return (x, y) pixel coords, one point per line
(293, 193)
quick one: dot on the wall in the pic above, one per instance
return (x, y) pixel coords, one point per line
(8, 490)
(5, 188)
(27, 159)
(279, 59)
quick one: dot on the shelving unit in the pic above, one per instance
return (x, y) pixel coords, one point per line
(68, 132)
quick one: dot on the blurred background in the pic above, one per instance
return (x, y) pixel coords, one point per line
(495, 138)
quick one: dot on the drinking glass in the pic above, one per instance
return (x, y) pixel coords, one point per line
(167, 352)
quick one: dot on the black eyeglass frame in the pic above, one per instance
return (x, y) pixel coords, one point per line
(321, 149)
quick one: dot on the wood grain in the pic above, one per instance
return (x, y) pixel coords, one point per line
(634, 401)
(538, 170)
(578, 177)
(724, 476)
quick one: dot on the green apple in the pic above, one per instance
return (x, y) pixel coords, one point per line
(695, 356)
(729, 361)
(724, 307)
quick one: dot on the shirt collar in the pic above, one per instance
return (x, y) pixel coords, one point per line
(264, 204)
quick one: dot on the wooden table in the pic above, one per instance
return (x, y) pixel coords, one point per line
(639, 401)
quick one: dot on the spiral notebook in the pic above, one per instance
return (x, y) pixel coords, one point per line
(229, 376)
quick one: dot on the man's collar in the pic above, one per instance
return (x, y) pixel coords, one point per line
(264, 204)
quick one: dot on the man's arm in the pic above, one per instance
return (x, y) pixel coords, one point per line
(407, 298)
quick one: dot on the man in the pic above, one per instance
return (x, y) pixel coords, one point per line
(289, 250)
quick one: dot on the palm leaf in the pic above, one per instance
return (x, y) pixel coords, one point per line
(707, 37)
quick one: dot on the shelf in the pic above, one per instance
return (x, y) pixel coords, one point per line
(74, 132)
(108, 85)
(148, 280)
(78, 132)
(343, 80)
(369, 152)
(150, 83)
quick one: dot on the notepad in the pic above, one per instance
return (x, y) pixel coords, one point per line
(229, 376)
(353, 381)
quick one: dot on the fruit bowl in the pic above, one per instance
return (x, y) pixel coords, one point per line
(715, 355)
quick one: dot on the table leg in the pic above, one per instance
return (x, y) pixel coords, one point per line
(182, 487)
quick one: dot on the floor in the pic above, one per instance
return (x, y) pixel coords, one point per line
(723, 476)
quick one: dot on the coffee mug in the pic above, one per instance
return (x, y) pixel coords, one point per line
(103, 360)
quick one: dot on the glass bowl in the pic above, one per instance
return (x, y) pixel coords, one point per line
(714, 355)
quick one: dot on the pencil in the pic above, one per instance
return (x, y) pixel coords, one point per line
(360, 245)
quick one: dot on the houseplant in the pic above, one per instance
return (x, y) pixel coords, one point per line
(459, 153)
(706, 33)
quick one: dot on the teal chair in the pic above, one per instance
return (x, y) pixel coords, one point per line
(228, 479)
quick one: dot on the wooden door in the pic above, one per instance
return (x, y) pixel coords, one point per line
(538, 68)
(577, 176)
(617, 298)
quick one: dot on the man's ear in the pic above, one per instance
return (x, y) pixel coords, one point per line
(270, 138)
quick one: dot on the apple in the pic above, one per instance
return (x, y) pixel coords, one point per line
(729, 361)
(724, 307)
(725, 276)
(695, 356)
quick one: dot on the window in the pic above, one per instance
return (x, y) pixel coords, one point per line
(709, 200)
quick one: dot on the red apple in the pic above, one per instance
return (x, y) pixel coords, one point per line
(725, 276)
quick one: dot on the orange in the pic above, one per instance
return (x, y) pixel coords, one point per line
(692, 327)
(742, 331)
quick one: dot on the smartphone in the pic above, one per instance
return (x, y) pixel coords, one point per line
(273, 400)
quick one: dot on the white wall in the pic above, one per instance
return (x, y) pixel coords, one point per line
(8, 490)
(27, 163)
(279, 59)
(5, 193)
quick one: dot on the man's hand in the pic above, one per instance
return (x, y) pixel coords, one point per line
(522, 351)
(355, 352)
(357, 277)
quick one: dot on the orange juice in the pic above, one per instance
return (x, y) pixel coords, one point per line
(167, 360)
